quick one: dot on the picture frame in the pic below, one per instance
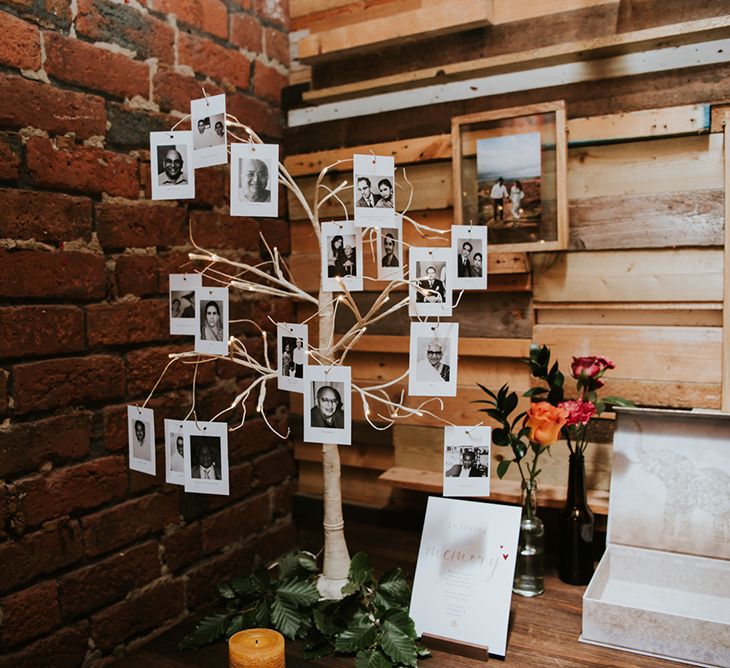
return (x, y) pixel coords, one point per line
(509, 174)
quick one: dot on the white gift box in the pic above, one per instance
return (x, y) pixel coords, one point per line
(662, 587)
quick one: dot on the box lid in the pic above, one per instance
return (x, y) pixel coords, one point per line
(670, 481)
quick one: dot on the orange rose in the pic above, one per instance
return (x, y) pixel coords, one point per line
(545, 422)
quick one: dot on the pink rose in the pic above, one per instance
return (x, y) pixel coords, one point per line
(591, 367)
(579, 412)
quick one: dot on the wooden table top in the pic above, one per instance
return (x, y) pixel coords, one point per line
(543, 632)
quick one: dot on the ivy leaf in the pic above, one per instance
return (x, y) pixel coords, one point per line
(326, 620)
(208, 630)
(285, 617)
(288, 564)
(225, 590)
(261, 614)
(392, 590)
(397, 637)
(308, 562)
(502, 467)
(297, 591)
(359, 635)
(373, 658)
(253, 585)
(361, 569)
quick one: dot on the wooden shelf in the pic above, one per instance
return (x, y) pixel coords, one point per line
(551, 496)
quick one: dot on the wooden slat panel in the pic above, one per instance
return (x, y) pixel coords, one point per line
(421, 149)
(726, 273)
(359, 486)
(631, 276)
(550, 496)
(436, 19)
(659, 166)
(640, 313)
(357, 455)
(492, 315)
(688, 218)
(480, 347)
(642, 353)
(681, 120)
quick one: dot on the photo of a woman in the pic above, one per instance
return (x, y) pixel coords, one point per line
(336, 257)
(211, 326)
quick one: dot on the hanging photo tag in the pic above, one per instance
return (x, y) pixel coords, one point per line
(174, 452)
(430, 272)
(171, 165)
(466, 461)
(208, 123)
(342, 258)
(292, 343)
(374, 181)
(141, 433)
(469, 257)
(390, 251)
(327, 404)
(211, 332)
(206, 457)
(255, 180)
(182, 302)
(433, 359)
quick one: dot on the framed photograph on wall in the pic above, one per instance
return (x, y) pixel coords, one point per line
(509, 168)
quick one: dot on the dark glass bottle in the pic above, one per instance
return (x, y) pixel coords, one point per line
(576, 528)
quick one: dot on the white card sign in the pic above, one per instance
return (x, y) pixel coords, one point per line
(466, 563)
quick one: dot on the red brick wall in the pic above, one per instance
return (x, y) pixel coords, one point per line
(95, 559)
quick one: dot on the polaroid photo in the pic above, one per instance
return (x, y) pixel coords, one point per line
(206, 457)
(469, 257)
(211, 330)
(343, 258)
(255, 180)
(430, 272)
(182, 302)
(208, 122)
(466, 461)
(171, 169)
(433, 359)
(292, 343)
(374, 180)
(141, 431)
(390, 251)
(327, 404)
(175, 452)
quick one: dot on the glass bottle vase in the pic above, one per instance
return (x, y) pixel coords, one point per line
(530, 568)
(576, 528)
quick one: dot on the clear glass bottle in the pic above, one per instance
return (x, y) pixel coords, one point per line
(530, 568)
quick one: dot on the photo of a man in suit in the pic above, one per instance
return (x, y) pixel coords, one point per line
(206, 455)
(327, 411)
(366, 198)
(463, 262)
(436, 290)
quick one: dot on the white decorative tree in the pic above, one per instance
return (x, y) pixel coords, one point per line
(273, 278)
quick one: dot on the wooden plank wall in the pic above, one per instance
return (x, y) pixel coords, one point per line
(642, 282)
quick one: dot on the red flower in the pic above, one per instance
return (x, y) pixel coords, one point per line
(591, 367)
(579, 412)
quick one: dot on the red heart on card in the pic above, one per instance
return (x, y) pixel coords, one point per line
(504, 556)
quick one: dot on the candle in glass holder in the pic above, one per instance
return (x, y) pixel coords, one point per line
(256, 648)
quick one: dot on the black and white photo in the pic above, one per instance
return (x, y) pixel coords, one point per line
(390, 251)
(292, 341)
(374, 197)
(466, 461)
(433, 358)
(182, 303)
(141, 431)
(206, 457)
(342, 260)
(327, 404)
(211, 332)
(171, 169)
(208, 121)
(174, 452)
(469, 253)
(255, 180)
(430, 282)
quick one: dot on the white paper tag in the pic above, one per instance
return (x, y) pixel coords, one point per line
(292, 345)
(255, 180)
(182, 302)
(211, 332)
(429, 274)
(374, 197)
(141, 435)
(174, 452)
(327, 404)
(342, 259)
(466, 461)
(208, 123)
(390, 251)
(469, 254)
(433, 359)
(206, 457)
(171, 165)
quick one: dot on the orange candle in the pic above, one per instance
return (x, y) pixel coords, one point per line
(256, 648)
